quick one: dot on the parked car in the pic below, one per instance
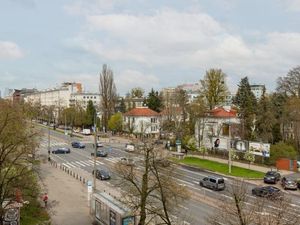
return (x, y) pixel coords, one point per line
(272, 177)
(214, 183)
(61, 151)
(102, 174)
(129, 147)
(267, 192)
(127, 161)
(289, 183)
(77, 144)
(99, 144)
(100, 153)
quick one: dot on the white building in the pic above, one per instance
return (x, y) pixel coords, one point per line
(192, 91)
(58, 97)
(218, 124)
(257, 90)
(82, 99)
(142, 120)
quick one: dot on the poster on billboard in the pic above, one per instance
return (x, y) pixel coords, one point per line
(128, 220)
(261, 149)
(220, 143)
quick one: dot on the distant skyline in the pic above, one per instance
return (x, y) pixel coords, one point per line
(148, 44)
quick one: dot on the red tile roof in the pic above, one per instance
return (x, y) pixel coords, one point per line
(221, 112)
(141, 112)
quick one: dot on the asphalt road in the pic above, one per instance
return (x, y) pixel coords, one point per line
(193, 211)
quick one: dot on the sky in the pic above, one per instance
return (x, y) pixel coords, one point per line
(147, 43)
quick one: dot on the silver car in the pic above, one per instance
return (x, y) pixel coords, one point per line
(214, 183)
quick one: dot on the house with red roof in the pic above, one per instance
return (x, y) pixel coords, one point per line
(217, 128)
(142, 120)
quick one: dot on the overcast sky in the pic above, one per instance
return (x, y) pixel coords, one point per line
(147, 43)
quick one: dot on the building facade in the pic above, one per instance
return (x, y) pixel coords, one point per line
(59, 97)
(142, 120)
(257, 90)
(82, 99)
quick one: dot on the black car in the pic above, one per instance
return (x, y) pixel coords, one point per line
(77, 144)
(102, 174)
(61, 151)
(272, 177)
(100, 153)
(267, 192)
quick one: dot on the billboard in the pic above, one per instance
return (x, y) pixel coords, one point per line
(261, 149)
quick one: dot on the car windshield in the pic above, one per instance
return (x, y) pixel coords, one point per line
(270, 174)
(221, 181)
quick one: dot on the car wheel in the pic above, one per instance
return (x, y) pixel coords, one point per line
(201, 184)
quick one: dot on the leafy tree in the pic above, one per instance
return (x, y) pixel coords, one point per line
(154, 101)
(90, 114)
(282, 150)
(137, 92)
(292, 117)
(250, 157)
(108, 94)
(265, 119)
(290, 84)
(122, 106)
(213, 87)
(17, 142)
(115, 122)
(246, 102)
(278, 101)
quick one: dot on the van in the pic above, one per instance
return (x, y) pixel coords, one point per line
(214, 183)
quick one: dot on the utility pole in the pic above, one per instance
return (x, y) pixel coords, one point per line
(229, 149)
(49, 150)
(95, 153)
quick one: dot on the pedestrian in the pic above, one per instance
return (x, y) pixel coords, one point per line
(186, 151)
(45, 199)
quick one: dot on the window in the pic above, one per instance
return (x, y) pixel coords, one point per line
(212, 180)
(83, 96)
(94, 97)
(153, 128)
(112, 218)
(153, 120)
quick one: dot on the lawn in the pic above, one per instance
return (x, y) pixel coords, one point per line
(221, 168)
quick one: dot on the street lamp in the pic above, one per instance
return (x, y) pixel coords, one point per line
(95, 151)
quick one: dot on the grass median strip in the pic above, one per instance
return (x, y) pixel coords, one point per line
(221, 167)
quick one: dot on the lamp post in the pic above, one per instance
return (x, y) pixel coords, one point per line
(229, 149)
(95, 152)
(49, 150)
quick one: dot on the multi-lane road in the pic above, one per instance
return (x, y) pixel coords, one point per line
(194, 211)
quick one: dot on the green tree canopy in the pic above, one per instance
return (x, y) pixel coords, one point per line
(90, 114)
(115, 122)
(246, 102)
(282, 150)
(154, 101)
(265, 119)
(213, 87)
(137, 92)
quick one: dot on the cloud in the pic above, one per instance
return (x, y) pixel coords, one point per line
(128, 79)
(168, 38)
(291, 5)
(10, 50)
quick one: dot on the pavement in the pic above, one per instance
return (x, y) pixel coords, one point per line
(67, 204)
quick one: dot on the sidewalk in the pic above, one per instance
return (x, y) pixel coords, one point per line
(67, 203)
(243, 165)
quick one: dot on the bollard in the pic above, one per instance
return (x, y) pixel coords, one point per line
(83, 180)
(80, 178)
(76, 176)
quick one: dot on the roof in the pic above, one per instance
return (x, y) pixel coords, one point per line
(221, 112)
(142, 111)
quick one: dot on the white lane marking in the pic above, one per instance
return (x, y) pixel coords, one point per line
(186, 208)
(66, 165)
(111, 160)
(85, 163)
(71, 165)
(81, 164)
(99, 163)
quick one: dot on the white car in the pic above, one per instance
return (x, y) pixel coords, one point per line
(129, 148)
(127, 161)
(99, 144)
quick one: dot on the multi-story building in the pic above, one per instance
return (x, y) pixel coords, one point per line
(257, 90)
(82, 99)
(142, 120)
(192, 91)
(59, 97)
(218, 125)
